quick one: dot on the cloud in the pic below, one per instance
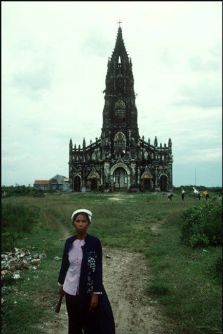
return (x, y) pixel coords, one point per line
(204, 92)
(205, 155)
(201, 85)
(33, 83)
(27, 69)
(198, 63)
(96, 44)
(54, 67)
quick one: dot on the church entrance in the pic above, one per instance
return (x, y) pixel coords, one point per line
(120, 179)
(93, 180)
(77, 184)
(147, 180)
(147, 185)
(94, 184)
(163, 183)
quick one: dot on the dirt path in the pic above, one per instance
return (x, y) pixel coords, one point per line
(124, 280)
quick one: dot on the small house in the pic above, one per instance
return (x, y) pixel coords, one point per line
(59, 182)
(41, 185)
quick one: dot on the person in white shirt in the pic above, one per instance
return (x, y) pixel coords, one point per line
(182, 194)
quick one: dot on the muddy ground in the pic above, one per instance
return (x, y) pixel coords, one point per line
(125, 282)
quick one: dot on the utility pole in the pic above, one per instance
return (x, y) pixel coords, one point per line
(195, 177)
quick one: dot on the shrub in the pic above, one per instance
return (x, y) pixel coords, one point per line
(218, 267)
(38, 193)
(16, 220)
(202, 224)
(16, 190)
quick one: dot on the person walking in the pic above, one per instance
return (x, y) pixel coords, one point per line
(182, 194)
(80, 280)
(206, 194)
(170, 196)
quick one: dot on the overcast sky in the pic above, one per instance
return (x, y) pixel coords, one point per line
(54, 63)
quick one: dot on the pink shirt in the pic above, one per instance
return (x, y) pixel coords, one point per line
(75, 255)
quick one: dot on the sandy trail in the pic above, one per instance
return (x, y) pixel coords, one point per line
(125, 282)
(124, 276)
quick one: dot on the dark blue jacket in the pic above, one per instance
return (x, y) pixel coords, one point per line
(91, 266)
(91, 279)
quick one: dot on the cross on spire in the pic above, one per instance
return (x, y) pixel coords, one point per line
(119, 22)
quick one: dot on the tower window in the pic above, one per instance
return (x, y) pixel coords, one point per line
(120, 143)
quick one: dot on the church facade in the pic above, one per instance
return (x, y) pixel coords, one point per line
(120, 160)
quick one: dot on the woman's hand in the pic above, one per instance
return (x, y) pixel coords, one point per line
(61, 292)
(93, 302)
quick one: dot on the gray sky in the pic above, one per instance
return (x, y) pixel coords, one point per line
(54, 63)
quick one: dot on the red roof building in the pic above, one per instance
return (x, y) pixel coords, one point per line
(41, 184)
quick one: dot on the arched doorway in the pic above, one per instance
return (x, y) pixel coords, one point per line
(146, 181)
(94, 184)
(77, 183)
(147, 185)
(94, 180)
(163, 183)
(120, 179)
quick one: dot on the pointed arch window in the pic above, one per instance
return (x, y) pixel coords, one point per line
(120, 109)
(120, 143)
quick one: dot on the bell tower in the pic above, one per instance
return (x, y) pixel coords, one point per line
(120, 112)
(120, 159)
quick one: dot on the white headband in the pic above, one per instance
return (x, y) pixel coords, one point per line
(88, 212)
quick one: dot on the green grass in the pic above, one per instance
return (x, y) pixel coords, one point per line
(182, 280)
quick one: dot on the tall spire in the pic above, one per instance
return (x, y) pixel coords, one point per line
(120, 113)
(119, 50)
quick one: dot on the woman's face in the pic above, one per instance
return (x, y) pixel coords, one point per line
(81, 224)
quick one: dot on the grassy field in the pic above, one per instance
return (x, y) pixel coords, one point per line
(183, 279)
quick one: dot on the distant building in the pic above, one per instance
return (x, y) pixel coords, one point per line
(120, 159)
(41, 185)
(59, 182)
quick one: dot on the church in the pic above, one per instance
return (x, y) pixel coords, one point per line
(120, 160)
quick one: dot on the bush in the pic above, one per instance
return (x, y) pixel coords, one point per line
(202, 224)
(38, 193)
(16, 220)
(218, 267)
(16, 190)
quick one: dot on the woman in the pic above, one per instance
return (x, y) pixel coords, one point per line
(80, 279)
